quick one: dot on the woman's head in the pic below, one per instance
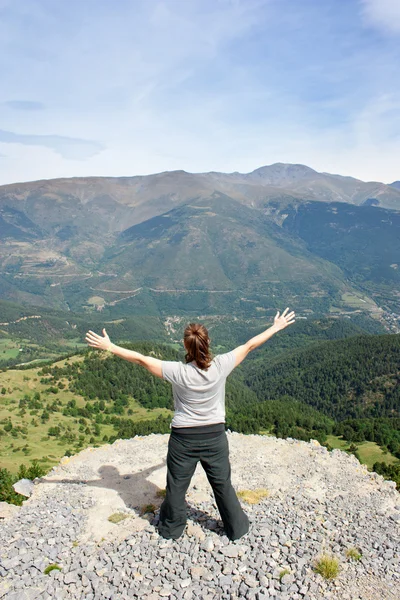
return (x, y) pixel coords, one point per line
(197, 342)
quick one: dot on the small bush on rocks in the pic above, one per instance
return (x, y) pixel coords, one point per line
(327, 566)
(253, 496)
(353, 554)
(117, 517)
(50, 568)
(148, 508)
(7, 479)
(283, 573)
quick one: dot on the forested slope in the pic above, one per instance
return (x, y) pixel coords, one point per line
(352, 378)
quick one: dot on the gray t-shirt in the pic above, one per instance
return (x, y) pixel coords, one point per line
(199, 396)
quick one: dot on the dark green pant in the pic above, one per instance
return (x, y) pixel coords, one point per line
(184, 452)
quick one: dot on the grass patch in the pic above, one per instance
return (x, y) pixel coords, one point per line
(283, 573)
(336, 441)
(253, 496)
(327, 566)
(117, 517)
(357, 301)
(353, 553)
(8, 349)
(148, 508)
(161, 493)
(52, 567)
(369, 452)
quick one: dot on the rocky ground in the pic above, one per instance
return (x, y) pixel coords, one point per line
(318, 502)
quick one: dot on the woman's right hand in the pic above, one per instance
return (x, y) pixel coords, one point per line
(283, 320)
(97, 341)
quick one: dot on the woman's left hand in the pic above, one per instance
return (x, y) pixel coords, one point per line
(101, 342)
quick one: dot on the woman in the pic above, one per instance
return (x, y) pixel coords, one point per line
(198, 425)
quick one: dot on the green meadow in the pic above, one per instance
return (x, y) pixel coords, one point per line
(29, 438)
(8, 348)
(369, 452)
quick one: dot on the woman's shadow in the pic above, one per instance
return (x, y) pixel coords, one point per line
(139, 494)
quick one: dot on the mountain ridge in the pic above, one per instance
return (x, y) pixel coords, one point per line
(58, 235)
(253, 184)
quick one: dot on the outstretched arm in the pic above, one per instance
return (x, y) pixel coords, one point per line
(104, 343)
(280, 322)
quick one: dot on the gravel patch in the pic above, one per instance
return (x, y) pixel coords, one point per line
(319, 502)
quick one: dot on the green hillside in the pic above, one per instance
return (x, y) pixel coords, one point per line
(42, 418)
(351, 378)
(354, 381)
(218, 255)
(29, 334)
(363, 241)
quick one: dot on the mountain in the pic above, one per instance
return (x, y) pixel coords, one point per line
(112, 204)
(177, 241)
(363, 241)
(396, 184)
(216, 244)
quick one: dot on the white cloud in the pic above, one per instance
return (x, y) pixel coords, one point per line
(67, 147)
(384, 14)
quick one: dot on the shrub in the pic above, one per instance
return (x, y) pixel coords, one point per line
(117, 517)
(31, 472)
(353, 553)
(327, 566)
(148, 508)
(253, 496)
(7, 493)
(283, 573)
(51, 567)
(54, 431)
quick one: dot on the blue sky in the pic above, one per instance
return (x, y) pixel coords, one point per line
(129, 87)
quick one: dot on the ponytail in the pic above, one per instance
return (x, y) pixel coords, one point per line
(197, 342)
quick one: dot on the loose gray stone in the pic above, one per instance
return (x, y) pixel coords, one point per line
(10, 563)
(71, 577)
(8, 510)
(24, 487)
